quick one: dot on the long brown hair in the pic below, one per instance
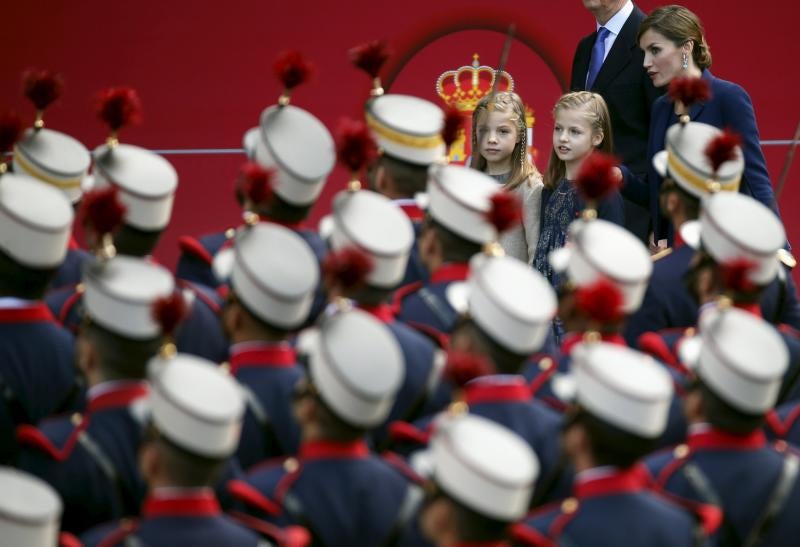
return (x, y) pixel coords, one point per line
(595, 110)
(679, 25)
(521, 167)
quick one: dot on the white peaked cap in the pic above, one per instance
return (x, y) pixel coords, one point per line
(742, 359)
(459, 198)
(275, 274)
(734, 226)
(298, 146)
(378, 227)
(484, 466)
(684, 160)
(30, 510)
(196, 405)
(147, 183)
(622, 387)
(35, 221)
(598, 248)
(407, 128)
(510, 301)
(120, 292)
(356, 365)
(55, 158)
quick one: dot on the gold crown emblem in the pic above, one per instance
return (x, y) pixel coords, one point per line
(466, 85)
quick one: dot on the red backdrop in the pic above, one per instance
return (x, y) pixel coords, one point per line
(203, 70)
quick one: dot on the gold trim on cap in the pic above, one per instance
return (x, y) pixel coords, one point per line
(64, 184)
(675, 164)
(414, 141)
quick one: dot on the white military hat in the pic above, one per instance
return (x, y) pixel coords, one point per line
(372, 223)
(484, 466)
(356, 365)
(275, 274)
(622, 387)
(147, 183)
(684, 160)
(407, 128)
(120, 292)
(742, 358)
(598, 248)
(30, 510)
(459, 198)
(196, 405)
(735, 226)
(298, 146)
(511, 302)
(35, 221)
(55, 158)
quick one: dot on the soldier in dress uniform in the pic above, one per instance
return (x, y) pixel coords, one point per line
(456, 227)
(146, 185)
(90, 458)
(270, 297)
(366, 222)
(36, 354)
(55, 158)
(691, 172)
(196, 412)
(29, 512)
(481, 477)
(622, 401)
(726, 460)
(336, 488)
(299, 149)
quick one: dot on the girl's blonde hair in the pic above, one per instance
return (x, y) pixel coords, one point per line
(595, 110)
(509, 102)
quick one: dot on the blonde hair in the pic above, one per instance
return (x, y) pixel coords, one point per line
(595, 110)
(508, 102)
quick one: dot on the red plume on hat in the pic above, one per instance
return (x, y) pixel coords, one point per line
(292, 68)
(597, 178)
(169, 311)
(43, 88)
(505, 211)
(355, 148)
(119, 107)
(11, 128)
(102, 213)
(256, 183)
(722, 148)
(602, 301)
(687, 91)
(463, 367)
(347, 268)
(735, 275)
(453, 124)
(370, 57)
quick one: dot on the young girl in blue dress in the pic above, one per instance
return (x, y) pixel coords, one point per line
(582, 125)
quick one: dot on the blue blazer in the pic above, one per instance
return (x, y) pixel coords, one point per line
(729, 107)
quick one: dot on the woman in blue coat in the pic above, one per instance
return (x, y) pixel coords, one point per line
(674, 45)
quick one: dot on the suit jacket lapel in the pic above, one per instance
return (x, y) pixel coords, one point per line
(621, 52)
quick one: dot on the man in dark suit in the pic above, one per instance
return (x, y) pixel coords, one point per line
(612, 67)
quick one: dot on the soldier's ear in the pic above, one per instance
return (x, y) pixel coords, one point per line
(148, 460)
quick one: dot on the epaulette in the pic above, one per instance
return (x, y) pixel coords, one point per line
(402, 466)
(547, 368)
(402, 292)
(654, 345)
(680, 455)
(201, 294)
(405, 432)
(291, 536)
(29, 435)
(126, 527)
(439, 338)
(661, 254)
(193, 247)
(527, 535)
(709, 516)
(251, 497)
(772, 421)
(567, 511)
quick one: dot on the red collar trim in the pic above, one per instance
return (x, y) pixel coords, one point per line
(482, 391)
(119, 397)
(263, 355)
(754, 309)
(34, 313)
(73, 243)
(720, 440)
(575, 338)
(201, 505)
(315, 450)
(624, 480)
(458, 271)
(413, 212)
(291, 225)
(383, 312)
